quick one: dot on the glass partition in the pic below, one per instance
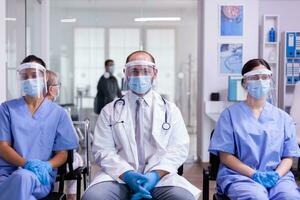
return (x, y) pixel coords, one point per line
(15, 43)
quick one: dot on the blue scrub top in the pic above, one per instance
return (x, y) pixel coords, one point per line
(259, 143)
(35, 136)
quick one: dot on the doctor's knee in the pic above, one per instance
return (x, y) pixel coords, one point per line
(172, 193)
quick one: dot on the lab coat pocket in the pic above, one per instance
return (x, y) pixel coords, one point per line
(164, 136)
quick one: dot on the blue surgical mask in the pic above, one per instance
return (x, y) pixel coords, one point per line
(258, 88)
(140, 84)
(32, 87)
(111, 69)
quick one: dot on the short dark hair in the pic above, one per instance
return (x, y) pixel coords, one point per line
(140, 51)
(108, 61)
(33, 58)
(251, 64)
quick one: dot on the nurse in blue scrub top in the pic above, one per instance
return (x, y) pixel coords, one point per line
(256, 143)
(34, 136)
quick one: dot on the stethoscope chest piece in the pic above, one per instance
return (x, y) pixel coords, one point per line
(166, 126)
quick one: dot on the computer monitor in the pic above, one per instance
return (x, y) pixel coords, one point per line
(236, 92)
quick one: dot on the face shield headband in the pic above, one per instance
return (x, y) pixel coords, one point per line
(258, 72)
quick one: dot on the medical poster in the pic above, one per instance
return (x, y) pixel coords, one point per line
(231, 58)
(232, 20)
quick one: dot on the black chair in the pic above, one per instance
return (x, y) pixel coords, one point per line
(60, 195)
(76, 174)
(210, 174)
(296, 171)
(63, 175)
(180, 170)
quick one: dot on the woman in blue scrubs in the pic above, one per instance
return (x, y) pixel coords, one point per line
(34, 136)
(256, 143)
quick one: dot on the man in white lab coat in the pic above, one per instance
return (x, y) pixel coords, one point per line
(140, 141)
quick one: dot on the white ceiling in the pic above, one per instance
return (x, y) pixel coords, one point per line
(128, 4)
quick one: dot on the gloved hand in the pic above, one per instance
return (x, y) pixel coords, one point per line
(152, 179)
(267, 179)
(274, 177)
(140, 195)
(135, 180)
(41, 169)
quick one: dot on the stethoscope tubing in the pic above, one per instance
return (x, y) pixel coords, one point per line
(165, 126)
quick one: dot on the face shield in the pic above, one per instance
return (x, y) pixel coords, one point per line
(260, 84)
(139, 75)
(32, 79)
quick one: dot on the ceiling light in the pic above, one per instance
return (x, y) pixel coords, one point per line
(10, 19)
(152, 19)
(68, 20)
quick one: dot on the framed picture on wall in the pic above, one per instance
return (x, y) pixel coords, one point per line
(231, 58)
(231, 20)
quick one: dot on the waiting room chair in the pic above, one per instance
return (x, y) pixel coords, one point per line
(77, 174)
(62, 170)
(210, 174)
(295, 114)
(72, 174)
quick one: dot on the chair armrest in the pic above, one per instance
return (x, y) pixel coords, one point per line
(75, 174)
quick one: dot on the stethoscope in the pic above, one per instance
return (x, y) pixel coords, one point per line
(165, 125)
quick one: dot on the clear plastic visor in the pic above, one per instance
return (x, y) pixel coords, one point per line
(261, 82)
(139, 70)
(259, 77)
(32, 80)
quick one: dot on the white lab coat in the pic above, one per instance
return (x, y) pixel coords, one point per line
(115, 147)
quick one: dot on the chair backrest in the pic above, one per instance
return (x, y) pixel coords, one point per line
(62, 170)
(69, 163)
(295, 109)
(70, 159)
(214, 162)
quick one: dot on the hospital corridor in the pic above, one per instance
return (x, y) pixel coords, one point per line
(149, 99)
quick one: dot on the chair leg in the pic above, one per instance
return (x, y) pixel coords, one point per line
(205, 184)
(78, 193)
(84, 181)
(61, 184)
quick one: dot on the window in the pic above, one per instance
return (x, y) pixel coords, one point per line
(89, 49)
(161, 44)
(122, 42)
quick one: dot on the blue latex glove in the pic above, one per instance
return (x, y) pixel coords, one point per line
(41, 169)
(267, 179)
(135, 180)
(140, 195)
(152, 179)
(274, 177)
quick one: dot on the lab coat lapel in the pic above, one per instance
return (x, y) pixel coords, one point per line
(130, 129)
(158, 118)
